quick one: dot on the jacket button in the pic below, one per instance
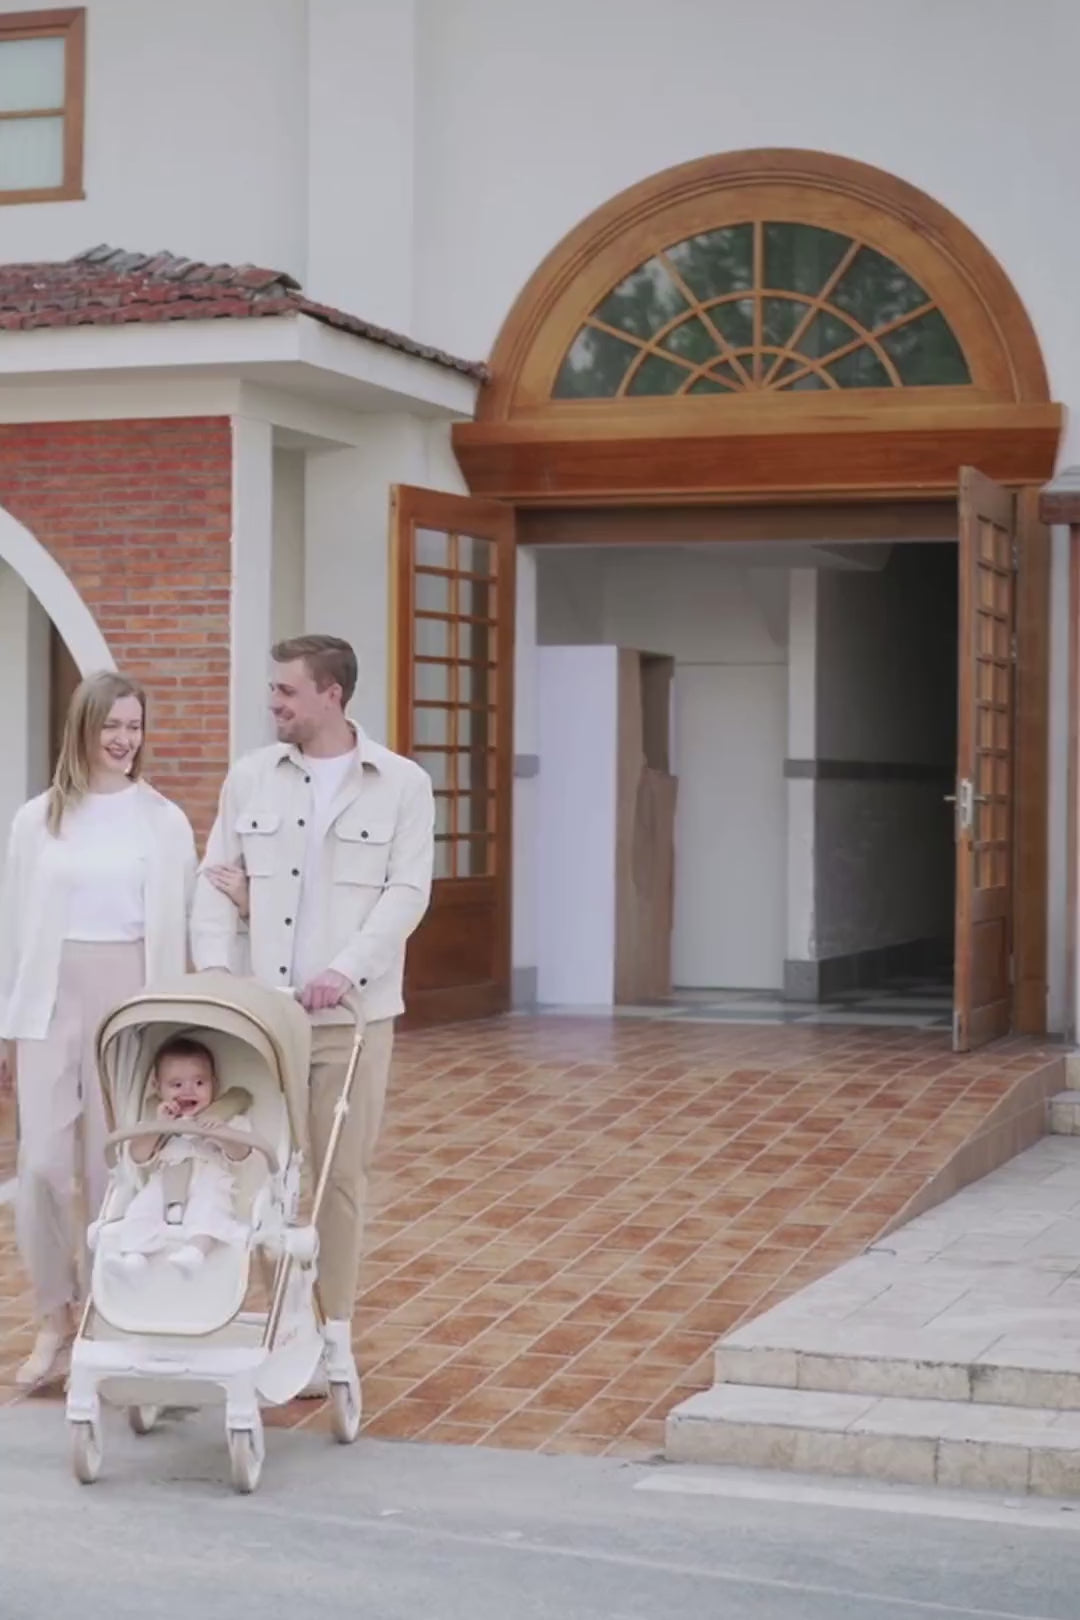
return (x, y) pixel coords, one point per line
(362, 983)
(300, 823)
(254, 826)
(283, 970)
(307, 779)
(296, 871)
(363, 835)
(288, 922)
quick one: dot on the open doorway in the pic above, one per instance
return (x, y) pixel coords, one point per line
(813, 731)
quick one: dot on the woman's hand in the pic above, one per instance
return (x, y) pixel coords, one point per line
(7, 1070)
(232, 882)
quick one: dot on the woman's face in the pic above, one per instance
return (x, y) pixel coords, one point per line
(121, 738)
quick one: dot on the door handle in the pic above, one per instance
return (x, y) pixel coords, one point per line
(965, 799)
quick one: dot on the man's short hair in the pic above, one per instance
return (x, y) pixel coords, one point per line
(330, 661)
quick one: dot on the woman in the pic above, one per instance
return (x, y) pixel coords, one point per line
(94, 905)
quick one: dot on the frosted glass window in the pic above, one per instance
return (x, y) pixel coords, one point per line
(31, 153)
(32, 75)
(42, 76)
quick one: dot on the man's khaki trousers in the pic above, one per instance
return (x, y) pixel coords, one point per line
(341, 1224)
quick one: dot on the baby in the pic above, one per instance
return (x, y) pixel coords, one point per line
(185, 1205)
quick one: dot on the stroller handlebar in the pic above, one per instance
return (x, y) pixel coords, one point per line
(352, 1001)
(222, 1136)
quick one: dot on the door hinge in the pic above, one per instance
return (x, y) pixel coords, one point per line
(957, 1030)
(1013, 649)
(1012, 969)
(1016, 555)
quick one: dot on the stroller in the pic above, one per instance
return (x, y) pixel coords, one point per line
(158, 1341)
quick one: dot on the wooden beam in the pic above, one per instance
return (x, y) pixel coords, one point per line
(827, 522)
(566, 461)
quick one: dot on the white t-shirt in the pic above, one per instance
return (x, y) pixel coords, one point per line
(102, 847)
(327, 777)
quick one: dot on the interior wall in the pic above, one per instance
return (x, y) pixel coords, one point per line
(725, 625)
(886, 750)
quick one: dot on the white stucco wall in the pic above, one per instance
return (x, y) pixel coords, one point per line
(528, 117)
(726, 627)
(196, 136)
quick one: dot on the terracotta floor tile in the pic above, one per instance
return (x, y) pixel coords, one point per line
(607, 1418)
(488, 1404)
(528, 1372)
(525, 1430)
(567, 1212)
(567, 1392)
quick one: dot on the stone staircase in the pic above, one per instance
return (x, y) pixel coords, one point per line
(948, 1354)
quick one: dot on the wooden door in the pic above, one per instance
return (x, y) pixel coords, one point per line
(986, 746)
(453, 572)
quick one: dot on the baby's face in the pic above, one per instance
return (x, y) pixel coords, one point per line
(188, 1082)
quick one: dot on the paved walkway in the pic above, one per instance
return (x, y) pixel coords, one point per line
(987, 1284)
(570, 1212)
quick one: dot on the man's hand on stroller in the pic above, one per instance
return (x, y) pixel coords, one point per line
(325, 991)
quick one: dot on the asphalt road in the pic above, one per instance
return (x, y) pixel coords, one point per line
(411, 1532)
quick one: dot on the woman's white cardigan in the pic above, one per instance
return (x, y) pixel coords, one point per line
(33, 910)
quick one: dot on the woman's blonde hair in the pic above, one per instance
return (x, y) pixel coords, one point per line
(88, 711)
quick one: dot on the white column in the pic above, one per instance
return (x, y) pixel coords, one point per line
(801, 745)
(526, 780)
(24, 715)
(347, 548)
(251, 623)
(361, 77)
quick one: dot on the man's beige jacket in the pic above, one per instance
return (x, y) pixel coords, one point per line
(373, 880)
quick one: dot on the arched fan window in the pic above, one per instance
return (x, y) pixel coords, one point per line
(762, 306)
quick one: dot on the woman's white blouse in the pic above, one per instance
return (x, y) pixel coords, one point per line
(102, 851)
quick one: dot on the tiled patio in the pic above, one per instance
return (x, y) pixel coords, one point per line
(569, 1212)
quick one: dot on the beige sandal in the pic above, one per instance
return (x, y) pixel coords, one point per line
(46, 1360)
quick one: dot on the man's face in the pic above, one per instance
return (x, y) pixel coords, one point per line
(299, 709)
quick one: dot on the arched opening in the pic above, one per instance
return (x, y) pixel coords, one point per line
(48, 638)
(678, 334)
(723, 410)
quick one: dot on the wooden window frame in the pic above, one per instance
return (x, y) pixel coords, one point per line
(69, 25)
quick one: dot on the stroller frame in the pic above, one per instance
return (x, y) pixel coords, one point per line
(282, 1347)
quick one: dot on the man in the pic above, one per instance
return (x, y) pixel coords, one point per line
(336, 836)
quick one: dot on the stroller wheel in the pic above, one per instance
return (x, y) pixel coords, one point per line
(142, 1419)
(344, 1413)
(86, 1451)
(246, 1451)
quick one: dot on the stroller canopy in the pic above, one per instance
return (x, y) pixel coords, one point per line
(268, 1022)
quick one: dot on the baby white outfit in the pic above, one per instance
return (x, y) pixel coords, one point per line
(145, 1226)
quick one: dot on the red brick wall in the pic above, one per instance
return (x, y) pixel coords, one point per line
(138, 514)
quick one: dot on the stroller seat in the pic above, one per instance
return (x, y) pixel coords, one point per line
(159, 1298)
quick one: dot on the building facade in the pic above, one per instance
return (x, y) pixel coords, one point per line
(704, 316)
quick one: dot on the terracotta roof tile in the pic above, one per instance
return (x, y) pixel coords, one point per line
(110, 287)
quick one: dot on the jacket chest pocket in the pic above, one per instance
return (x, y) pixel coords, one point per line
(361, 850)
(257, 831)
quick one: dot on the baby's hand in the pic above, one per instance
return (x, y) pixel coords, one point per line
(168, 1110)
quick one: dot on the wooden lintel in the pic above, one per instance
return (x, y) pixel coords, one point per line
(823, 521)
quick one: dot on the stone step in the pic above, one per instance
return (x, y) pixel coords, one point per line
(987, 1382)
(1065, 1114)
(949, 1443)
